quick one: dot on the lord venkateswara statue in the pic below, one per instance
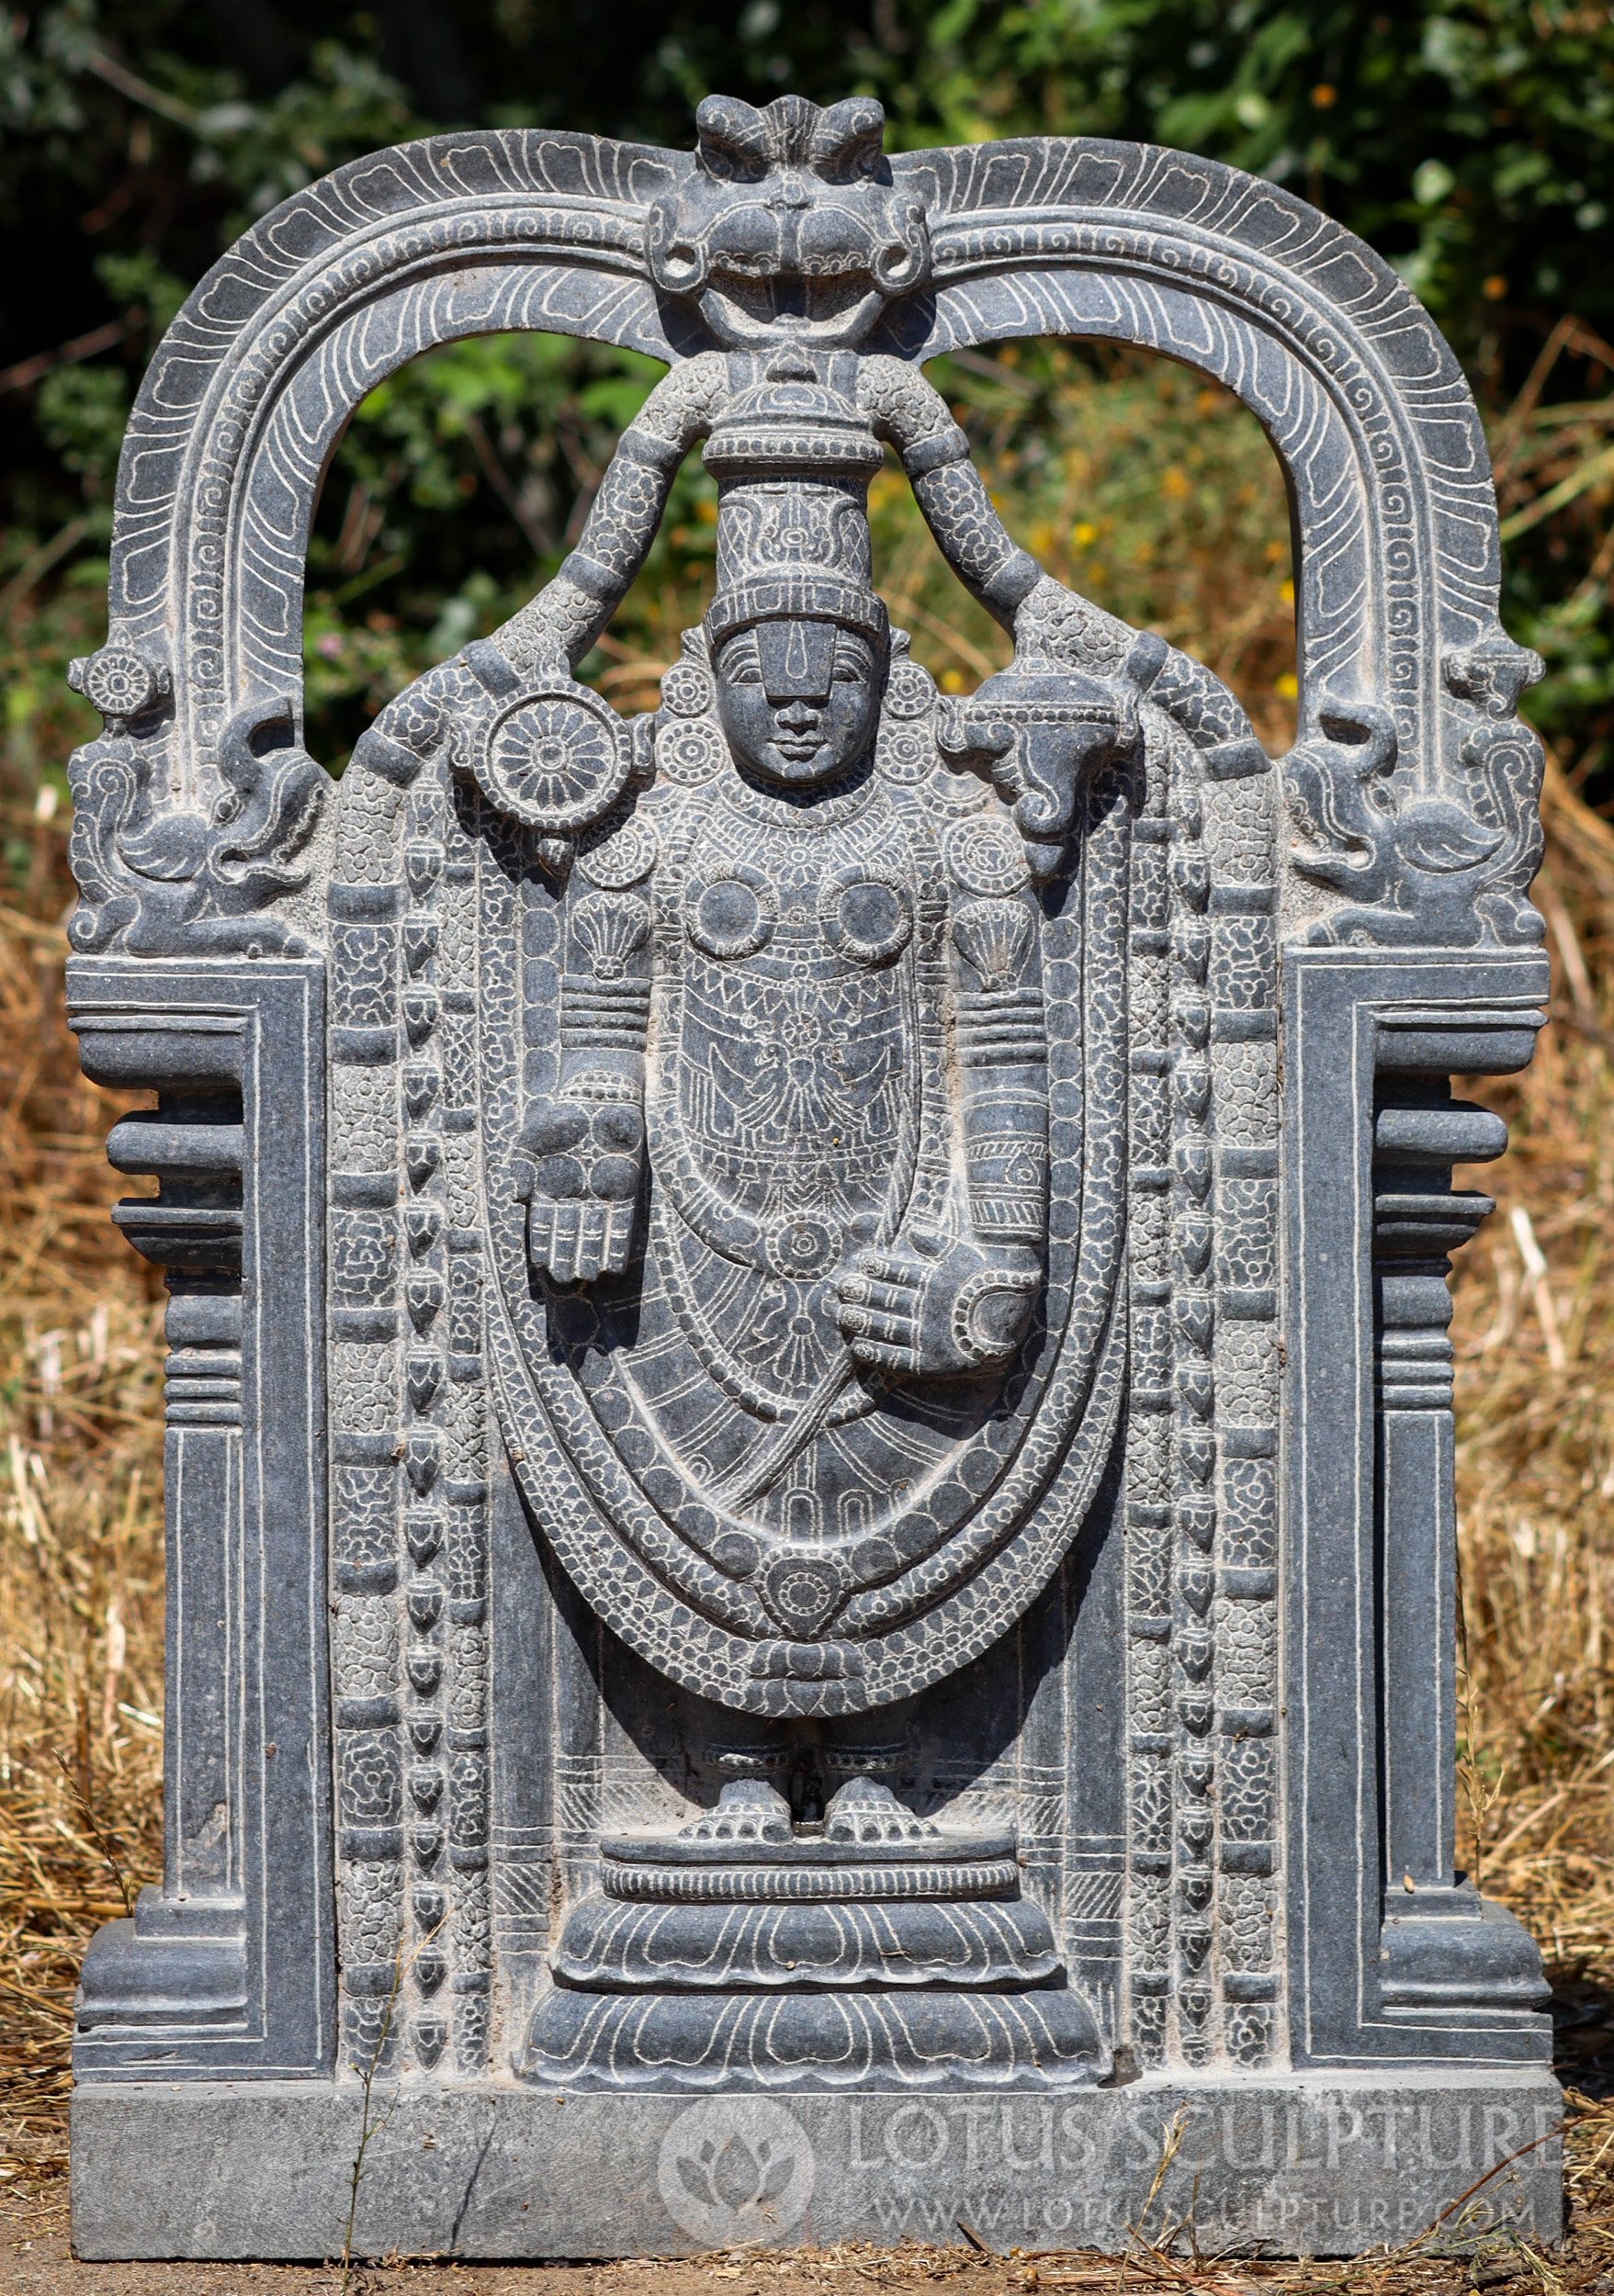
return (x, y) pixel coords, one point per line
(809, 1473)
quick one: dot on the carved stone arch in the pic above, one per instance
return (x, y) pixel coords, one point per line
(264, 581)
(388, 257)
(1165, 1793)
(1375, 428)
(1346, 371)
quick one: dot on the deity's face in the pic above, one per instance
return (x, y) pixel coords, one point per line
(798, 700)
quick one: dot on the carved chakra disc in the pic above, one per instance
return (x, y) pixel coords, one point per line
(556, 758)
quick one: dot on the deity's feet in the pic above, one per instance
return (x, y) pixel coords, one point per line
(749, 1809)
(864, 1811)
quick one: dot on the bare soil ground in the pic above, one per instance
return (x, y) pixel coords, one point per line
(41, 2265)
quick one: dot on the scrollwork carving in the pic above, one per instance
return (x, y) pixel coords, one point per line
(1417, 867)
(802, 1163)
(162, 879)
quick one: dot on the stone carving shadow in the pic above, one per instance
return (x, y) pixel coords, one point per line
(1583, 2029)
(670, 1727)
(999, 1690)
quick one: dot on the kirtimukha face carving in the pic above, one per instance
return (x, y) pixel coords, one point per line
(798, 700)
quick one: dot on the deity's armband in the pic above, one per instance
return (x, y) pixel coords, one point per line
(580, 1158)
(1002, 1058)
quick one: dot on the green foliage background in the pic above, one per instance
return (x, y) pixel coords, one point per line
(1471, 141)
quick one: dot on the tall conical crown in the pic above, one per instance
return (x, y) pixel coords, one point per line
(793, 458)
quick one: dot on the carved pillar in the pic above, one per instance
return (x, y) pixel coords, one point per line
(1418, 1220)
(462, 1409)
(227, 1961)
(1243, 1611)
(1193, 1313)
(1442, 1947)
(1382, 1971)
(183, 1959)
(202, 1470)
(1152, 1459)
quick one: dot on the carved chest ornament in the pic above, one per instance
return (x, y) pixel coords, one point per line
(837, 1259)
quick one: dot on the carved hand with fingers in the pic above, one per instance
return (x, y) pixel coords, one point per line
(577, 1169)
(937, 1307)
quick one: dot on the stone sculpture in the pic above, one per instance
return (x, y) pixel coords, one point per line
(809, 1475)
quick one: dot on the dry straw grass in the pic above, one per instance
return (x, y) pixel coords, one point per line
(81, 1564)
(81, 1548)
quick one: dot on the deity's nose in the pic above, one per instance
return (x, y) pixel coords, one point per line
(798, 714)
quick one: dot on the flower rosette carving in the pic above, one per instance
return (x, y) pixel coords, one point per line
(122, 681)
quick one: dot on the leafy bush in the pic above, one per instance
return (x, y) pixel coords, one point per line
(1472, 140)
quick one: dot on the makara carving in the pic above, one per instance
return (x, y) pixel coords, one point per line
(811, 1358)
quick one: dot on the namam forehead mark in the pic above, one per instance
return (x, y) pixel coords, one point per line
(798, 658)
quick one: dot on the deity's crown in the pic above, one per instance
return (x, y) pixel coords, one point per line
(793, 458)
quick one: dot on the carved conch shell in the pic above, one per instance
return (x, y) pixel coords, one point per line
(996, 938)
(610, 927)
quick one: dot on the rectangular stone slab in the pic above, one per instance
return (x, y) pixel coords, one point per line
(810, 1514)
(1308, 2165)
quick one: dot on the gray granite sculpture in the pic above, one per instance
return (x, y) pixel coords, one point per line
(809, 1462)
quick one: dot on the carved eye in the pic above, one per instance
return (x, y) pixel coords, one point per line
(740, 663)
(855, 661)
(895, 266)
(732, 139)
(903, 258)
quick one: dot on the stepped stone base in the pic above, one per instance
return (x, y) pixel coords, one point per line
(1304, 2165)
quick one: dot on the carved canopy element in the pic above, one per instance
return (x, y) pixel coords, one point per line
(1422, 817)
